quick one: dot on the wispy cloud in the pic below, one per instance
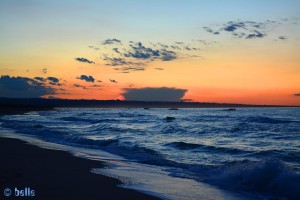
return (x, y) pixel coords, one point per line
(167, 55)
(111, 41)
(84, 60)
(136, 56)
(282, 37)
(79, 86)
(130, 69)
(242, 29)
(93, 47)
(86, 78)
(257, 34)
(211, 30)
(113, 81)
(117, 61)
(139, 51)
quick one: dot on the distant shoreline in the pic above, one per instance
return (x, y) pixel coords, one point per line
(42, 104)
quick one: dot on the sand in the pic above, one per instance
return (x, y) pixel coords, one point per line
(54, 174)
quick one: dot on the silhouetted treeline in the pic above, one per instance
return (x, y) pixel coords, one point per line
(50, 103)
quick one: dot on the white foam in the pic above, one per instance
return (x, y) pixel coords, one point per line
(153, 180)
(147, 179)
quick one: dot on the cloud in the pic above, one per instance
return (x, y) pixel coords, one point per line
(23, 87)
(116, 50)
(111, 41)
(159, 68)
(84, 60)
(139, 51)
(298, 95)
(79, 86)
(242, 29)
(282, 37)
(97, 85)
(211, 31)
(142, 52)
(154, 94)
(113, 81)
(86, 78)
(168, 55)
(40, 79)
(130, 69)
(117, 61)
(233, 26)
(53, 79)
(93, 47)
(132, 66)
(255, 35)
(137, 56)
(175, 47)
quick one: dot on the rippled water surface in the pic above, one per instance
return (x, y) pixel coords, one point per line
(256, 150)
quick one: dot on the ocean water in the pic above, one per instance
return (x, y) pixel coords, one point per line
(250, 153)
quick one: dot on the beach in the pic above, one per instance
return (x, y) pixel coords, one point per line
(54, 174)
(88, 153)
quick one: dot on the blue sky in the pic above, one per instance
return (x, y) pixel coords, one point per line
(256, 39)
(135, 18)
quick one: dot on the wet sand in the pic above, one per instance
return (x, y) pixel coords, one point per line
(55, 174)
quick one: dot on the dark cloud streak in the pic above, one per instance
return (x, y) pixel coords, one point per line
(86, 78)
(84, 60)
(154, 94)
(111, 41)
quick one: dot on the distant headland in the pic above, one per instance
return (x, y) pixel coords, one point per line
(52, 103)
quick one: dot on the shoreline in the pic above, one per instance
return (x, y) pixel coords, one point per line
(56, 174)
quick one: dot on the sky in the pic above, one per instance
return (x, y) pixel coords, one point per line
(225, 51)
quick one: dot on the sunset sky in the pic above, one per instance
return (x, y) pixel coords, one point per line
(228, 51)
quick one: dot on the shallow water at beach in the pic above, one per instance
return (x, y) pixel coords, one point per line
(254, 152)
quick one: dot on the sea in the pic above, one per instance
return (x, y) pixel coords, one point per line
(180, 154)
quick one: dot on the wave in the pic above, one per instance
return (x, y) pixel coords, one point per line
(130, 115)
(191, 146)
(92, 121)
(126, 149)
(38, 126)
(269, 177)
(91, 142)
(268, 120)
(75, 119)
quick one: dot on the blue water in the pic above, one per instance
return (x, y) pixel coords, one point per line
(250, 150)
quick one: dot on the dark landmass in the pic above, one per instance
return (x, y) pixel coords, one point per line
(39, 103)
(54, 174)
